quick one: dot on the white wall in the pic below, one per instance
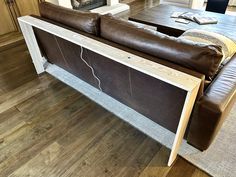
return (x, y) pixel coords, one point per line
(232, 2)
(53, 1)
(64, 3)
(195, 4)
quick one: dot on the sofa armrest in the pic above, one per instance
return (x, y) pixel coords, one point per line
(213, 107)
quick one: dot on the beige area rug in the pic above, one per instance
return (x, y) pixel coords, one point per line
(219, 160)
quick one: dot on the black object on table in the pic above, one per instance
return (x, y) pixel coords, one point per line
(218, 6)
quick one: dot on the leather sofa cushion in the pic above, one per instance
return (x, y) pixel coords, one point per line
(84, 21)
(138, 53)
(203, 36)
(203, 58)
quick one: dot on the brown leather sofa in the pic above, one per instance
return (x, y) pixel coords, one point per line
(151, 97)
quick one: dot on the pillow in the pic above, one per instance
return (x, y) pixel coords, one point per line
(83, 21)
(211, 38)
(200, 57)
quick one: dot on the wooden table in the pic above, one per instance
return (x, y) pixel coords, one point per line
(159, 17)
(175, 78)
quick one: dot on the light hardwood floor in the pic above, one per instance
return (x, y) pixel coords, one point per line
(48, 129)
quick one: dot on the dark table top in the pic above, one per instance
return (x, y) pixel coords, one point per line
(159, 16)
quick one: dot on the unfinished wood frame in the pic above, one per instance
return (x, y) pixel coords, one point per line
(171, 76)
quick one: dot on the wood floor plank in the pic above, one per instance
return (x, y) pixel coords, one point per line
(105, 158)
(157, 166)
(44, 158)
(25, 74)
(10, 131)
(44, 80)
(42, 121)
(9, 114)
(199, 173)
(85, 131)
(10, 40)
(46, 99)
(22, 93)
(139, 159)
(79, 147)
(1, 91)
(31, 107)
(23, 58)
(22, 145)
(181, 167)
(16, 67)
(12, 51)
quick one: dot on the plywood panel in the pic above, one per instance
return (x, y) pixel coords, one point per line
(6, 21)
(27, 7)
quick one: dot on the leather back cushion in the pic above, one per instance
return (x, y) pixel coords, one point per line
(203, 36)
(84, 21)
(203, 58)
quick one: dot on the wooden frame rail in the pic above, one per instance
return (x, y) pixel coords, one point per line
(171, 76)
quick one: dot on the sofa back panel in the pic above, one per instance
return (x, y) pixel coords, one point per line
(138, 53)
(84, 21)
(64, 54)
(156, 99)
(159, 101)
(114, 77)
(199, 57)
(48, 46)
(77, 67)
